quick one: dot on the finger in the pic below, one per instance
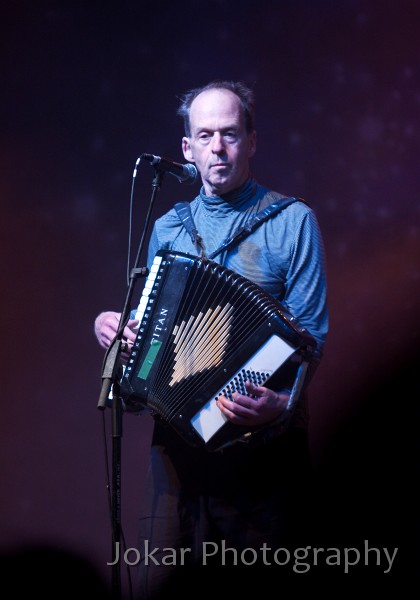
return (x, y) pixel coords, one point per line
(246, 401)
(229, 414)
(129, 332)
(255, 390)
(129, 335)
(107, 336)
(235, 409)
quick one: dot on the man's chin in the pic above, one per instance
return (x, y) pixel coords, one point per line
(221, 186)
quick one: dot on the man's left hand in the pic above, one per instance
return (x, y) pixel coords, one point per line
(261, 407)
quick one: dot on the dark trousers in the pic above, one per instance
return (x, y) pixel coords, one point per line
(207, 515)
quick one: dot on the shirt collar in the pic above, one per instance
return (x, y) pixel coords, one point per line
(238, 199)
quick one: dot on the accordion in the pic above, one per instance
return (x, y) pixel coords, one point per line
(203, 331)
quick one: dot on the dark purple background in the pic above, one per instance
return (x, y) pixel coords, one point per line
(86, 88)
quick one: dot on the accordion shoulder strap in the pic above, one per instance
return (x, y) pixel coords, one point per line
(265, 214)
(183, 210)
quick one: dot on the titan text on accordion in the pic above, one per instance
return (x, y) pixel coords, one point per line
(204, 330)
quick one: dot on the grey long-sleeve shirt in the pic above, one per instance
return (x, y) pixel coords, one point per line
(284, 255)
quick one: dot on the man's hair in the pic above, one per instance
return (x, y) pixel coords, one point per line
(243, 92)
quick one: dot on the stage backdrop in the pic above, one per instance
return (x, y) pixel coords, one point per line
(86, 88)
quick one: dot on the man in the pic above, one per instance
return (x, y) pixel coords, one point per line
(243, 498)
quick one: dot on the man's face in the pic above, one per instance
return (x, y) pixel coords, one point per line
(219, 144)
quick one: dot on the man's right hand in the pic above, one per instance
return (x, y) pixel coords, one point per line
(106, 327)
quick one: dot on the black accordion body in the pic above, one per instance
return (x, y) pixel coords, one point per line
(204, 330)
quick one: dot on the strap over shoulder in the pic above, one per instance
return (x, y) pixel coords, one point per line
(183, 210)
(265, 214)
(184, 213)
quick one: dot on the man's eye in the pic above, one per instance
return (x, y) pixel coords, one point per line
(230, 136)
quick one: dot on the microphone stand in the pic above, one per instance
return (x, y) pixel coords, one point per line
(111, 375)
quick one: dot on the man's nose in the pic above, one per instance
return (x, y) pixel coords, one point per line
(217, 145)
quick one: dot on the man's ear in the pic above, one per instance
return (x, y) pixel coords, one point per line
(186, 149)
(252, 144)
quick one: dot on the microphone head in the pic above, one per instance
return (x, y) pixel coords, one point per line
(184, 173)
(191, 173)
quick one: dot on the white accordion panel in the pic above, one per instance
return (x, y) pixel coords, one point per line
(209, 419)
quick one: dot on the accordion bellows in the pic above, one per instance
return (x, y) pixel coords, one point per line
(204, 330)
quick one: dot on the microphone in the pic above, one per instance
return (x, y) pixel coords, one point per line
(184, 173)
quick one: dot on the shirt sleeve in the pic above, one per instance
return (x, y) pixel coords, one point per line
(306, 286)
